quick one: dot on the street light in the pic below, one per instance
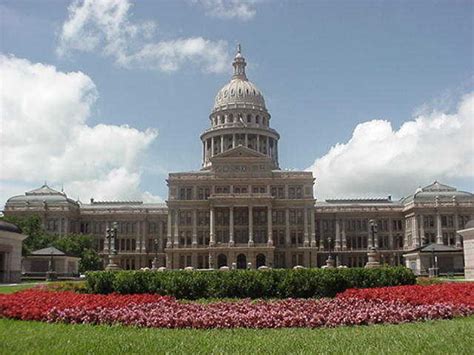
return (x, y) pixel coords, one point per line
(112, 237)
(329, 261)
(372, 257)
(154, 264)
(373, 231)
(329, 247)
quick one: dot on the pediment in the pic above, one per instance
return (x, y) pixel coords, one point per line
(240, 152)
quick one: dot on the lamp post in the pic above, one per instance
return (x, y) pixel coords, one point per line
(433, 270)
(330, 260)
(154, 263)
(112, 234)
(372, 256)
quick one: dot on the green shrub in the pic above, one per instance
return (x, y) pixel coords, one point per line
(75, 286)
(277, 283)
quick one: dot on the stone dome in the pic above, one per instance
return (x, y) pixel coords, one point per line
(239, 92)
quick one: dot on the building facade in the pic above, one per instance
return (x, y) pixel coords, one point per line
(241, 210)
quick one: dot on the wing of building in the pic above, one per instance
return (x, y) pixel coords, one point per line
(241, 210)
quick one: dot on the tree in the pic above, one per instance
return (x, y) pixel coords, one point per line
(33, 228)
(79, 245)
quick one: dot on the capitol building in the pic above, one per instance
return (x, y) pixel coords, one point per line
(241, 210)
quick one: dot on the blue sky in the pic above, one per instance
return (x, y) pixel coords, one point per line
(324, 67)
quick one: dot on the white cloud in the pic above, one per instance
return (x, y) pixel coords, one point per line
(44, 135)
(379, 160)
(106, 26)
(230, 9)
(171, 55)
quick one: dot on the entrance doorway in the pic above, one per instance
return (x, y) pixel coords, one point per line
(260, 260)
(221, 260)
(241, 261)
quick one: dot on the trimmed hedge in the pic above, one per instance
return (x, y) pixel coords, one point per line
(276, 283)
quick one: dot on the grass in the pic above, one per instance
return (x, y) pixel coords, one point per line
(435, 337)
(11, 289)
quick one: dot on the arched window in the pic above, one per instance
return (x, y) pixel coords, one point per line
(231, 118)
(222, 119)
(257, 119)
(249, 118)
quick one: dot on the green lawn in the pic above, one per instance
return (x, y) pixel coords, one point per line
(11, 289)
(434, 337)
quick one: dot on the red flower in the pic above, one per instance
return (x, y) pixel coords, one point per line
(352, 307)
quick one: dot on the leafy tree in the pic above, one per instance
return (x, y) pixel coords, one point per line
(33, 228)
(90, 260)
(82, 246)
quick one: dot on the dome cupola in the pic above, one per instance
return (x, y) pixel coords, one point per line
(239, 92)
(239, 118)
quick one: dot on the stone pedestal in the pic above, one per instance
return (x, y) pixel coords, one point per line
(113, 263)
(373, 259)
(330, 263)
(154, 264)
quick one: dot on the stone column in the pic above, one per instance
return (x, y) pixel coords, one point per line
(369, 235)
(337, 245)
(222, 143)
(138, 237)
(391, 244)
(268, 146)
(305, 226)
(168, 236)
(439, 230)
(414, 233)
(456, 228)
(204, 152)
(231, 226)
(269, 226)
(343, 235)
(233, 140)
(176, 231)
(287, 228)
(251, 243)
(312, 226)
(246, 140)
(194, 237)
(275, 148)
(258, 143)
(321, 237)
(212, 241)
(212, 146)
(422, 231)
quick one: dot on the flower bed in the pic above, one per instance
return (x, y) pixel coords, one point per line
(452, 293)
(353, 307)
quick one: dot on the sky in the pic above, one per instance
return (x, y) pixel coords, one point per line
(104, 98)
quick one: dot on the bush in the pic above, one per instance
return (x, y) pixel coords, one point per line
(75, 286)
(303, 283)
